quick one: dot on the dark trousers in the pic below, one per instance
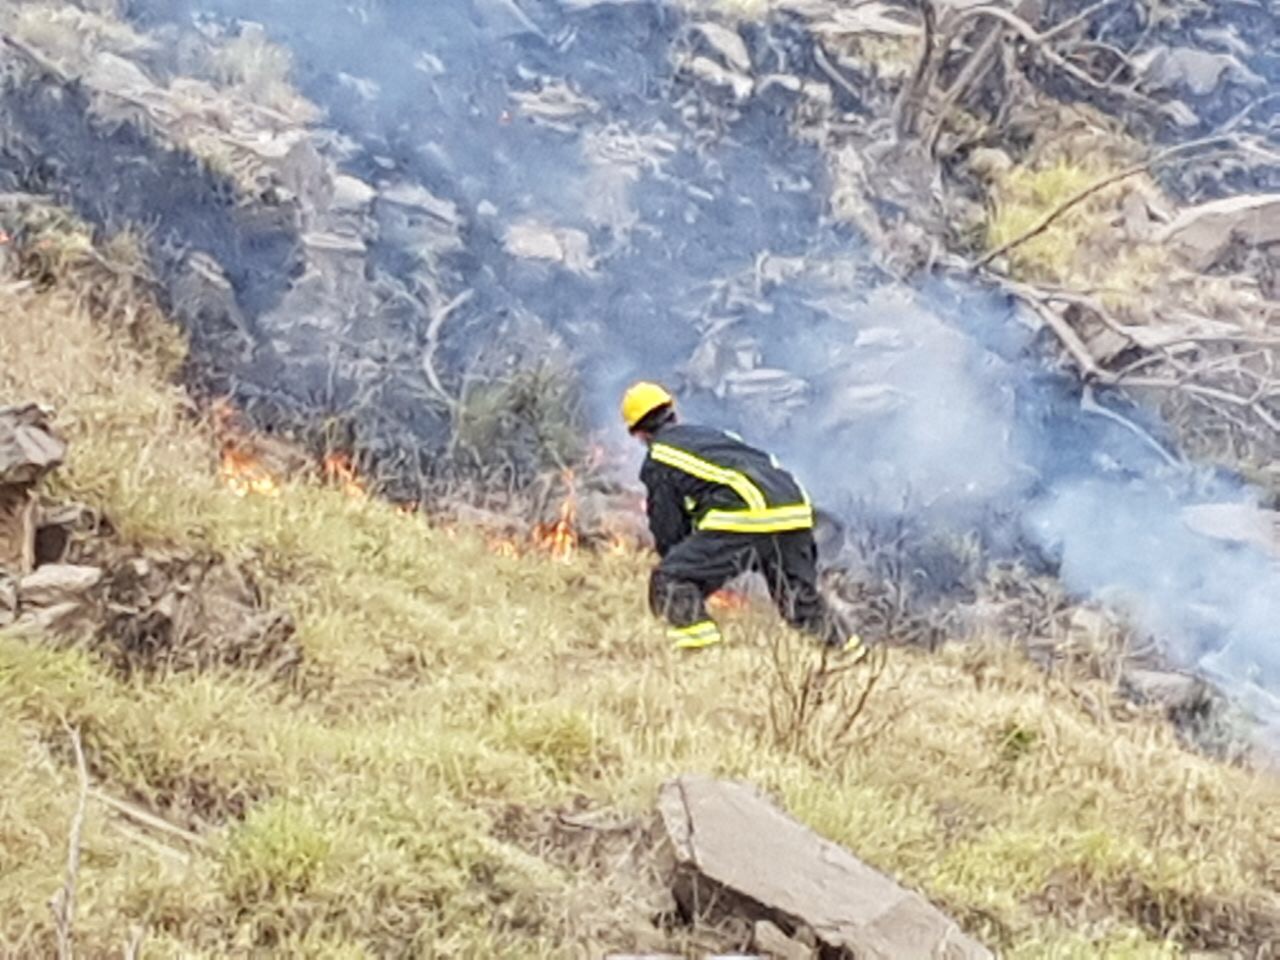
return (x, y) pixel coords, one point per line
(703, 563)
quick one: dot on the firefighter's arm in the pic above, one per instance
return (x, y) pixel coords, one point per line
(667, 520)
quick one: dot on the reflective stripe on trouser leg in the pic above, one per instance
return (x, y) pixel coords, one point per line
(704, 634)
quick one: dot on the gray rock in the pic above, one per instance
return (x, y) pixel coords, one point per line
(1178, 112)
(351, 195)
(1204, 233)
(8, 600)
(57, 583)
(776, 944)
(990, 163)
(1180, 694)
(17, 528)
(1199, 72)
(534, 241)
(1237, 523)
(411, 196)
(706, 69)
(735, 853)
(414, 218)
(728, 43)
(61, 618)
(29, 449)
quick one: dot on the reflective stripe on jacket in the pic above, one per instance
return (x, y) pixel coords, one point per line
(705, 479)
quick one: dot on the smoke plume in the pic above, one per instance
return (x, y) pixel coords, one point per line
(668, 243)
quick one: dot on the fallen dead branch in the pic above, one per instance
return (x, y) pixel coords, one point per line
(1077, 198)
(438, 318)
(942, 33)
(1089, 403)
(147, 819)
(63, 903)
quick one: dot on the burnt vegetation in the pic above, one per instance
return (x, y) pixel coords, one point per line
(365, 669)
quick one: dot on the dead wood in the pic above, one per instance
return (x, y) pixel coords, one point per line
(63, 903)
(147, 819)
(1054, 215)
(438, 318)
(912, 94)
(827, 67)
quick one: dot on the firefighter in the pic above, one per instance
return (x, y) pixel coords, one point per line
(718, 508)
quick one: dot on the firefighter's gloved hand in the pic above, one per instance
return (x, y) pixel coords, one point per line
(696, 637)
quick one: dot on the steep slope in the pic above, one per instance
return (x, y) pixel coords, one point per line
(400, 796)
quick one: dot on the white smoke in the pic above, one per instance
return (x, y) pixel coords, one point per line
(932, 395)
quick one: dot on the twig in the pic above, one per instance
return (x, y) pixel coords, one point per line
(879, 661)
(979, 62)
(63, 903)
(1065, 333)
(433, 342)
(1052, 217)
(1081, 17)
(827, 67)
(159, 848)
(903, 120)
(1253, 404)
(147, 819)
(1037, 40)
(1089, 404)
(973, 70)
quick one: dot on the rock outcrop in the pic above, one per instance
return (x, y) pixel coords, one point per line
(736, 854)
(29, 450)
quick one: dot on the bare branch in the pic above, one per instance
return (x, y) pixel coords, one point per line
(147, 819)
(1058, 29)
(63, 903)
(1065, 333)
(973, 71)
(1038, 41)
(907, 103)
(438, 319)
(879, 661)
(827, 67)
(1052, 217)
(1089, 403)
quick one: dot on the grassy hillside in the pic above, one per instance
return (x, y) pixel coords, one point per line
(397, 797)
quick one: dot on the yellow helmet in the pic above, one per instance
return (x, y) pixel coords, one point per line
(641, 399)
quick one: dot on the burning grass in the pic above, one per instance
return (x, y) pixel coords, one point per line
(359, 808)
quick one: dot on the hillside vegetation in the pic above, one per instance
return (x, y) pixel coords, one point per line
(398, 796)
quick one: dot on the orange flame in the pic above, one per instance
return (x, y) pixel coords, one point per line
(728, 601)
(560, 539)
(239, 471)
(339, 469)
(242, 474)
(503, 546)
(618, 546)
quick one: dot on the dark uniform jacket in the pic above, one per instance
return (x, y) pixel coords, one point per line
(699, 478)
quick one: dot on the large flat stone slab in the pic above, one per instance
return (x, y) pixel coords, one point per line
(1205, 232)
(738, 854)
(28, 447)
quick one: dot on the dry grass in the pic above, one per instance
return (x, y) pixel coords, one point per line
(1089, 248)
(1084, 250)
(740, 10)
(260, 71)
(71, 35)
(355, 813)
